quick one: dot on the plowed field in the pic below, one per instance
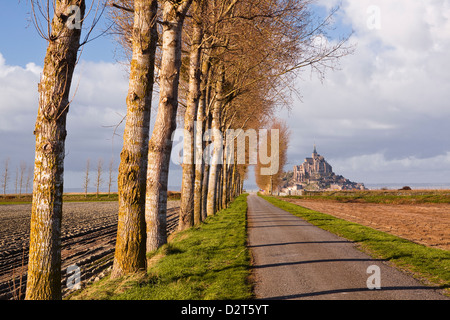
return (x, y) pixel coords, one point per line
(427, 224)
(88, 240)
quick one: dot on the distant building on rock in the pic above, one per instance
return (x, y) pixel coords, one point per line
(316, 173)
(313, 169)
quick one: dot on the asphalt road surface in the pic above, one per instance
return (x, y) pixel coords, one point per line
(292, 259)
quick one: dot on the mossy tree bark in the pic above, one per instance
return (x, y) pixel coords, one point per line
(200, 166)
(44, 264)
(217, 139)
(188, 177)
(160, 144)
(206, 168)
(131, 235)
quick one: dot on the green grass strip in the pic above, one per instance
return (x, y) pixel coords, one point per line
(430, 265)
(382, 197)
(15, 202)
(210, 261)
(69, 197)
(27, 199)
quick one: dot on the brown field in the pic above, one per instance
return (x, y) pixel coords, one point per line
(88, 240)
(425, 223)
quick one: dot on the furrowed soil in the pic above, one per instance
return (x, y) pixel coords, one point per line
(427, 223)
(88, 240)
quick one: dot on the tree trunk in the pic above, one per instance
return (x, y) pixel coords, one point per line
(219, 188)
(200, 166)
(225, 175)
(218, 146)
(241, 184)
(226, 185)
(5, 176)
(44, 264)
(233, 178)
(160, 145)
(199, 163)
(188, 178)
(130, 245)
(205, 183)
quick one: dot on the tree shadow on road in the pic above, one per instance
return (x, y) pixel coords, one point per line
(272, 265)
(300, 242)
(350, 290)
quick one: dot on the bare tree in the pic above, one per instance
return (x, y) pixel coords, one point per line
(188, 178)
(16, 181)
(23, 169)
(215, 166)
(29, 183)
(110, 175)
(99, 179)
(86, 179)
(44, 265)
(5, 176)
(160, 145)
(267, 177)
(201, 168)
(131, 231)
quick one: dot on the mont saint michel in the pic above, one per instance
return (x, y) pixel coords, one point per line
(315, 173)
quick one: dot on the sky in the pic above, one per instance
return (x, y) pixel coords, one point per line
(381, 117)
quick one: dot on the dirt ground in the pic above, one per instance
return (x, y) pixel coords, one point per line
(427, 224)
(88, 238)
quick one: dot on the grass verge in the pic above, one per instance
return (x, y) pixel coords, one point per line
(69, 197)
(75, 197)
(380, 196)
(208, 262)
(430, 265)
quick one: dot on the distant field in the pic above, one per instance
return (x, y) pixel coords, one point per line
(73, 197)
(69, 197)
(380, 196)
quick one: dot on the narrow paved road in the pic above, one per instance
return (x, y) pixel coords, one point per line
(295, 260)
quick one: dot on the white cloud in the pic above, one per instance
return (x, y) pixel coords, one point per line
(17, 101)
(98, 91)
(99, 103)
(99, 99)
(98, 95)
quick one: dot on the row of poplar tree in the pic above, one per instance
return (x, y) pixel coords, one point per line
(228, 64)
